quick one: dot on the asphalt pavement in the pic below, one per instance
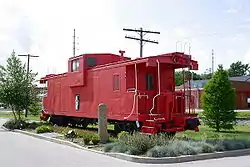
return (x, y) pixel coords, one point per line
(18, 150)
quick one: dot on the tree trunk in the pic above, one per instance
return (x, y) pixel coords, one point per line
(217, 126)
(19, 115)
(14, 113)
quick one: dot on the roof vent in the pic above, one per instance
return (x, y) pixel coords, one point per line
(122, 53)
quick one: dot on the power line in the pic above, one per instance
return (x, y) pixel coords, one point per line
(212, 61)
(141, 32)
(74, 43)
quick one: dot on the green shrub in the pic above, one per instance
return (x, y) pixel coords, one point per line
(90, 136)
(189, 147)
(70, 134)
(44, 129)
(116, 147)
(87, 138)
(34, 125)
(234, 144)
(122, 134)
(177, 148)
(139, 144)
(15, 124)
(158, 151)
(202, 146)
(95, 139)
(108, 147)
(35, 108)
(218, 102)
(136, 142)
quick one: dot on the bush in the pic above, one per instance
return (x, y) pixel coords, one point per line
(177, 148)
(70, 134)
(116, 147)
(139, 144)
(34, 125)
(44, 129)
(15, 124)
(189, 147)
(218, 102)
(95, 139)
(86, 138)
(35, 108)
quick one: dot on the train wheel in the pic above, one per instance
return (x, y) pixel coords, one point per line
(128, 127)
(84, 123)
(118, 127)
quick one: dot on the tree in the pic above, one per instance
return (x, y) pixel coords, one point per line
(179, 77)
(239, 69)
(218, 101)
(16, 86)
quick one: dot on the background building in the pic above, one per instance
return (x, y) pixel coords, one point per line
(240, 84)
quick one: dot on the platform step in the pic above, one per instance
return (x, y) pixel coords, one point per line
(154, 114)
(155, 119)
(148, 129)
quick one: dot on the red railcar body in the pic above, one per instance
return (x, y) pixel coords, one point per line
(139, 94)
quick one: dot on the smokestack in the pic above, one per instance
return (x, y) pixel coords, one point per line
(122, 53)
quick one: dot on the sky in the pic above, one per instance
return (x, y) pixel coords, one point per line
(45, 29)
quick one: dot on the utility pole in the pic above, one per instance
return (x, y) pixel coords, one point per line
(28, 70)
(141, 33)
(212, 61)
(74, 43)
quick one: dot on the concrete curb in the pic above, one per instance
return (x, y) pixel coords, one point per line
(145, 160)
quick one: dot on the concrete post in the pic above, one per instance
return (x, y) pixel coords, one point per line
(102, 123)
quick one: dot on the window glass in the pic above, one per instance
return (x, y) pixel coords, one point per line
(77, 102)
(116, 83)
(90, 61)
(75, 65)
(149, 82)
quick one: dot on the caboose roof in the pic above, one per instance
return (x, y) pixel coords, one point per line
(163, 58)
(96, 54)
(148, 59)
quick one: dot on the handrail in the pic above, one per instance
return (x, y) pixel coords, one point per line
(159, 86)
(136, 91)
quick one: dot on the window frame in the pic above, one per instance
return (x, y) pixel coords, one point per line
(149, 82)
(75, 65)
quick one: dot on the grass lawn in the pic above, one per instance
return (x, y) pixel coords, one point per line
(243, 114)
(10, 115)
(241, 132)
(37, 118)
(239, 114)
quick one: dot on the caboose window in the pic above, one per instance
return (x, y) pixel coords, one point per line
(116, 83)
(77, 102)
(75, 65)
(91, 61)
(149, 82)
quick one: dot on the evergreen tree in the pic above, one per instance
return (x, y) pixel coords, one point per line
(218, 101)
(16, 86)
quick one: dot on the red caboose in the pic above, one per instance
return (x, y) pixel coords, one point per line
(140, 94)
